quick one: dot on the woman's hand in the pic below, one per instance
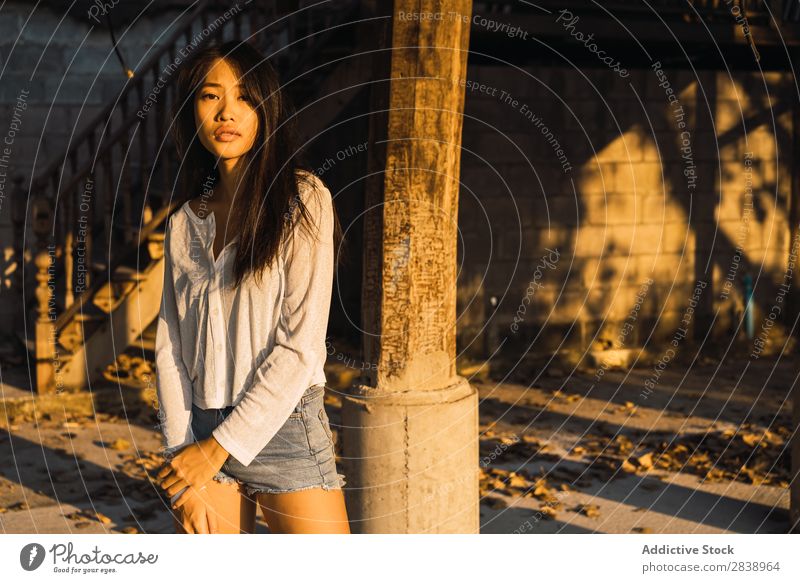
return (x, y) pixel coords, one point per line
(191, 468)
(196, 516)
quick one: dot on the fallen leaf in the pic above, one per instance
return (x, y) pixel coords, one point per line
(517, 481)
(590, 510)
(548, 512)
(120, 444)
(102, 518)
(645, 461)
(752, 439)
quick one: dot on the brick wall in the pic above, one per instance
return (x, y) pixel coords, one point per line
(634, 202)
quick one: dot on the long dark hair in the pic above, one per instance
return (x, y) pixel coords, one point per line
(273, 167)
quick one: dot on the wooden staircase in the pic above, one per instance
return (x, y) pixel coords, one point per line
(98, 211)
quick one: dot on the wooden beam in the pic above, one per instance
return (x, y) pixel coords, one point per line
(544, 27)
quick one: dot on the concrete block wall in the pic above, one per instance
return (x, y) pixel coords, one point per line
(629, 208)
(58, 73)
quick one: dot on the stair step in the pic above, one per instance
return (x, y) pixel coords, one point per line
(74, 333)
(86, 317)
(111, 295)
(124, 274)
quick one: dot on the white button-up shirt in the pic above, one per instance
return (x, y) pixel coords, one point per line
(259, 346)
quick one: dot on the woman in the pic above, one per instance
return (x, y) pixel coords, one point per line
(240, 341)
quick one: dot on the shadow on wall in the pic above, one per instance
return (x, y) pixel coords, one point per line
(686, 189)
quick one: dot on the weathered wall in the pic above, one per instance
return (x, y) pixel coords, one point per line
(57, 74)
(628, 200)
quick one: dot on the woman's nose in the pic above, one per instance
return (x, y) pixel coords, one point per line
(225, 112)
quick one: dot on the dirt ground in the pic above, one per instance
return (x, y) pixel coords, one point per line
(562, 451)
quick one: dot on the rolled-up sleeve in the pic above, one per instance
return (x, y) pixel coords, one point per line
(281, 379)
(173, 384)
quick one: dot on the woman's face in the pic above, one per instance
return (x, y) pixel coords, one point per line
(225, 116)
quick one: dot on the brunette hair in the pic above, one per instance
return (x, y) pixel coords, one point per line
(273, 166)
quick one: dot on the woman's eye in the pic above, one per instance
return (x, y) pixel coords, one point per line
(245, 97)
(207, 96)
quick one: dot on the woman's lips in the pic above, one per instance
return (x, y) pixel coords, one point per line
(226, 135)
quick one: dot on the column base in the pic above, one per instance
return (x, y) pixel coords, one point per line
(411, 459)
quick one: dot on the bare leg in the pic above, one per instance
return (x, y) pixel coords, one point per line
(234, 510)
(314, 511)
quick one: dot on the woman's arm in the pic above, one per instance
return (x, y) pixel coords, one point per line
(173, 384)
(299, 350)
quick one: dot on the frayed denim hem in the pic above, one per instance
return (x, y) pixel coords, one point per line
(338, 485)
(224, 478)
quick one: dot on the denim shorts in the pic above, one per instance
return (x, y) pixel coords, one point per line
(300, 456)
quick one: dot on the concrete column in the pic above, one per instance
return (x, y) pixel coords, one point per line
(411, 426)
